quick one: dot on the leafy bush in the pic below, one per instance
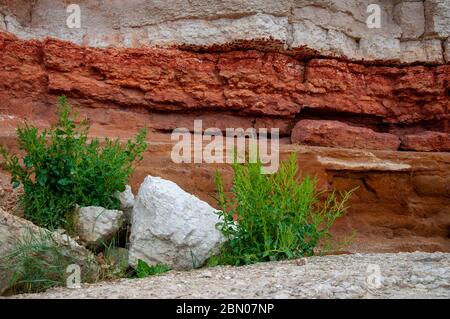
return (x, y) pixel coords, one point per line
(278, 217)
(144, 270)
(38, 262)
(62, 168)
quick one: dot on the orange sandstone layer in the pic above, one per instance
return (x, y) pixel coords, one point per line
(402, 200)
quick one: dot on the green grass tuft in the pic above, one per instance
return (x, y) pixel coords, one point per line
(38, 262)
(144, 270)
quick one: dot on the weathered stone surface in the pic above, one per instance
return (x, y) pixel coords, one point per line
(325, 27)
(222, 121)
(220, 31)
(138, 13)
(284, 125)
(2, 23)
(20, 9)
(329, 42)
(410, 16)
(380, 90)
(14, 230)
(307, 33)
(426, 142)
(126, 199)
(426, 50)
(370, 164)
(247, 83)
(172, 227)
(97, 225)
(348, 17)
(447, 50)
(437, 13)
(432, 185)
(380, 47)
(338, 134)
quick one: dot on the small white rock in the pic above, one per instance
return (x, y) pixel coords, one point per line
(95, 225)
(126, 199)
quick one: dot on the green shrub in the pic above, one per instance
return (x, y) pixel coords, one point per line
(38, 262)
(278, 216)
(144, 270)
(62, 168)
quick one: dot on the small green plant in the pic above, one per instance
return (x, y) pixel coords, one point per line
(38, 262)
(144, 270)
(277, 216)
(62, 168)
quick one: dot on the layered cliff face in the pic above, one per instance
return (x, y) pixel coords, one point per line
(312, 69)
(386, 107)
(261, 63)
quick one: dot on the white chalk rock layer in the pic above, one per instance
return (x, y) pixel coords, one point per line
(330, 27)
(172, 227)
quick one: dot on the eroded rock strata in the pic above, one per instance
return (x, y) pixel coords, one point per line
(371, 107)
(230, 89)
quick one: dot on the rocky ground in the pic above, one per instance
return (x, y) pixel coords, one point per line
(403, 275)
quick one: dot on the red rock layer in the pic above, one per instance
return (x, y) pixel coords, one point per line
(334, 133)
(262, 89)
(426, 141)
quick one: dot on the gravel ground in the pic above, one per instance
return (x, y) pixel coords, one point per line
(402, 275)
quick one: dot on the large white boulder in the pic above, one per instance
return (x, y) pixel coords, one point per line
(172, 227)
(96, 225)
